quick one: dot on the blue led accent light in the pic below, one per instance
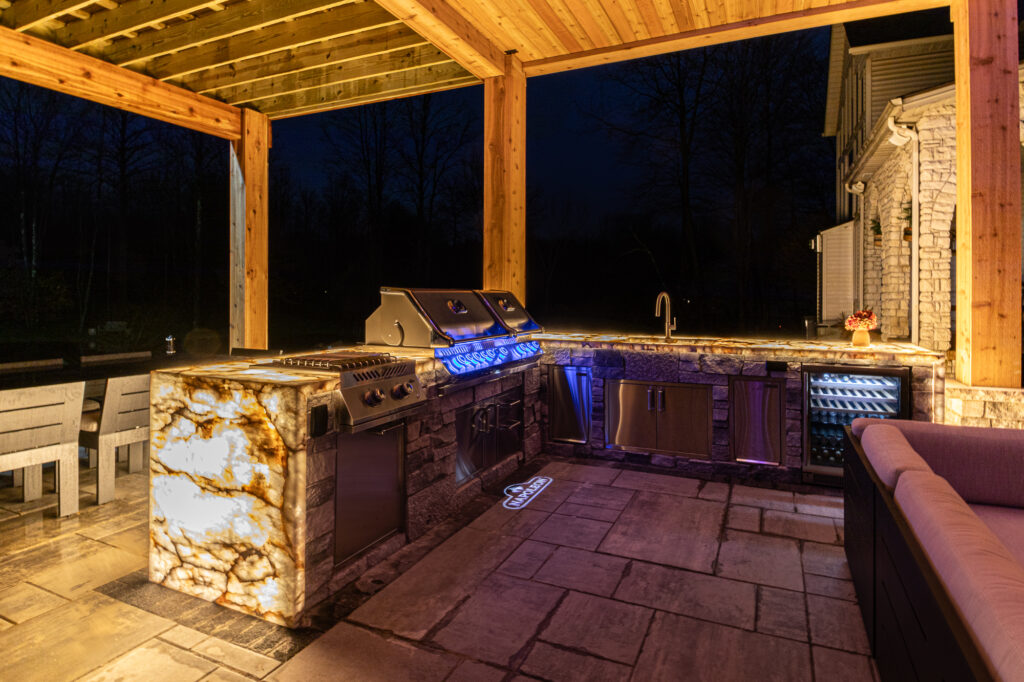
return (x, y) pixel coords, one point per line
(473, 357)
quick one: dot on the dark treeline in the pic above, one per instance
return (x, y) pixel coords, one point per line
(113, 228)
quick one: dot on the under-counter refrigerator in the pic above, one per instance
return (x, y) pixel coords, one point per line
(835, 395)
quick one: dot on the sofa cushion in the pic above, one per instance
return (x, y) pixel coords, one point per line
(984, 465)
(1007, 524)
(982, 577)
(890, 454)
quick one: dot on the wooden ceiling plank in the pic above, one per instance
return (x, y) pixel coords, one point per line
(439, 23)
(330, 94)
(853, 10)
(571, 22)
(389, 95)
(652, 19)
(309, 29)
(667, 14)
(532, 27)
(553, 21)
(379, 65)
(682, 12)
(40, 62)
(623, 28)
(495, 22)
(28, 14)
(315, 55)
(600, 29)
(236, 19)
(699, 12)
(129, 17)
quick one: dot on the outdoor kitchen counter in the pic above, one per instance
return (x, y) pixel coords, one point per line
(878, 353)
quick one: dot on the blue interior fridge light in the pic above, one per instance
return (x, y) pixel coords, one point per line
(473, 357)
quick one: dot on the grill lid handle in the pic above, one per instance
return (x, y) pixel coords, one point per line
(457, 306)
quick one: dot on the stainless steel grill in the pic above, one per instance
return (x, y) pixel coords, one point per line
(375, 388)
(471, 331)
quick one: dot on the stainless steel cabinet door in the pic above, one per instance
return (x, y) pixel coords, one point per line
(369, 491)
(684, 419)
(756, 419)
(631, 420)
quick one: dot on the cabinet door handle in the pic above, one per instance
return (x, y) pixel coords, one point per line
(650, 398)
(661, 400)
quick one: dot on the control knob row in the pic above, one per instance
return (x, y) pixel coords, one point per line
(375, 396)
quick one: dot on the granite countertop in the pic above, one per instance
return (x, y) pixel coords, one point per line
(818, 348)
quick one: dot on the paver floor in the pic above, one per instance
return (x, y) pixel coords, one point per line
(607, 575)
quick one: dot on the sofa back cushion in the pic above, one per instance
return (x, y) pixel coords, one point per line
(982, 577)
(984, 465)
(890, 454)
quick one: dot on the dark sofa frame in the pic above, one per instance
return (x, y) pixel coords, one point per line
(914, 628)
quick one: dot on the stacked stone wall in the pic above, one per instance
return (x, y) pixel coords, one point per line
(886, 198)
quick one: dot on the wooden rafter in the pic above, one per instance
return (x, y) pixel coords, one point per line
(128, 17)
(716, 34)
(236, 19)
(380, 65)
(39, 62)
(338, 21)
(439, 23)
(27, 14)
(384, 96)
(378, 87)
(317, 55)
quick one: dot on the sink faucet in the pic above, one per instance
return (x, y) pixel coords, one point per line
(669, 326)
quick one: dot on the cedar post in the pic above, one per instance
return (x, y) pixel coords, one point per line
(505, 180)
(988, 233)
(249, 232)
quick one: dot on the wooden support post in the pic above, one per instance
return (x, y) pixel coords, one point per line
(249, 232)
(505, 180)
(988, 232)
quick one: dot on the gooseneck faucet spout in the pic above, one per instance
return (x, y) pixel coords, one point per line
(670, 322)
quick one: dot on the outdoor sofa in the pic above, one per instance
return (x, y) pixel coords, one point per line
(934, 536)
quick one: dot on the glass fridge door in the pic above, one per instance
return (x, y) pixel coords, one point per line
(834, 400)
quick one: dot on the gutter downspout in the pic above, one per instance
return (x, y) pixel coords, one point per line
(901, 135)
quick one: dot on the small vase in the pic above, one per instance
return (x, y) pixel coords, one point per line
(861, 337)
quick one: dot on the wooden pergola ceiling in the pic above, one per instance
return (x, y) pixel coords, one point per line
(290, 57)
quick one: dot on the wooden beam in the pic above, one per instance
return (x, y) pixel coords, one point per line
(333, 96)
(463, 81)
(130, 16)
(36, 61)
(505, 180)
(249, 172)
(292, 60)
(29, 14)
(308, 30)
(457, 37)
(245, 16)
(741, 30)
(988, 231)
(391, 62)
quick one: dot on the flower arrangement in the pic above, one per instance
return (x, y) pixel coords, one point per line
(862, 319)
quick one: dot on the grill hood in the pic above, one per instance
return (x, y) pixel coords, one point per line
(438, 318)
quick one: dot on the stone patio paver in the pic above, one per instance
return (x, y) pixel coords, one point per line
(658, 483)
(829, 587)
(729, 602)
(557, 492)
(820, 505)
(471, 671)
(419, 598)
(583, 571)
(526, 559)
(826, 560)
(802, 526)
(553, 663)
(744, 518)
(607, 628)
(154, 661)
(840, 666)
(713, 490)
(572, 531)
(524, 522)
(348, 652)
(766, 498)
(580, 472)
(679, 648)
(761, 559)
(182, 636)
(225, 675)
(837, 624)
(782, 613)
(588, 512)
(236, 657)
(603, 496)
(668, 529)
(23, 601)
(498, 620)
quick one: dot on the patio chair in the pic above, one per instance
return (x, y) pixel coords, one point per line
(123, 420)
(38, 425)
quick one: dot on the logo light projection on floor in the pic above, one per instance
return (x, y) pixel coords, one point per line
(519, 495)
